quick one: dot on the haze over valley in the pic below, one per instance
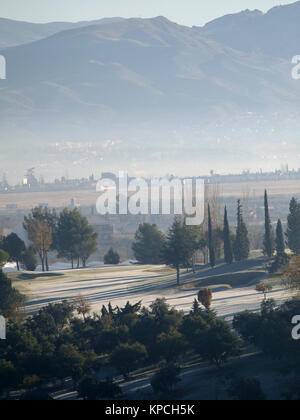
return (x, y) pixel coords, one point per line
(150, 96)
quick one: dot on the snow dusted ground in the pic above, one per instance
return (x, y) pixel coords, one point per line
(58, 266)
(136, 283)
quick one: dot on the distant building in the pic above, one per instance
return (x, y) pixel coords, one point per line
(29, 179)
(12, 207)
(73, 204)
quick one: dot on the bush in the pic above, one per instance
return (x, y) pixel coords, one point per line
(205, 298)
(29, 260)
(112, 258)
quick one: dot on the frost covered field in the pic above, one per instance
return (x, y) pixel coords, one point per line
(233, 291)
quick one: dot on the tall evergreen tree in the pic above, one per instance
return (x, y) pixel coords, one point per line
(178, 247)
(14, 246)
(75, 238)
(228, 252)
(212, 254)
(280, 241)
(293, 230)
(241, 244)
(269, 235)
(148, 244)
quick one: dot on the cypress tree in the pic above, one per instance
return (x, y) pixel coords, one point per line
(269, 236)
(212, 255)
(280, 241)
(241, 244)
(293, 230)
(228, 253)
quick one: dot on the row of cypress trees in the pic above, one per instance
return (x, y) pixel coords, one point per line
(238, 248)
(278, 243)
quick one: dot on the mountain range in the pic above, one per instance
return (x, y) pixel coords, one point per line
(15, 32)
(145, 90)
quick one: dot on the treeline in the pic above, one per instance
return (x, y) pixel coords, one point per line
(271, 332)
(56, 344)
(67, 233)
(178, 247)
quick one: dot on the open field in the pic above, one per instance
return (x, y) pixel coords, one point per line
(233, 287)
(29, 200)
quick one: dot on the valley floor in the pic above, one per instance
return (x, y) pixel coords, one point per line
(233, 286)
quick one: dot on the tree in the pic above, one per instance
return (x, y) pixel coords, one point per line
(111, 257)
(165, 380)
(179, 248)
(82, 305)
(127, 357)
(75, 238)
(4, 257)
(65, 236)
(228, 252)
(148, 244)
(28, 260)
(293, 230)
(40, 235)
(269, 235)
(8, 376)
(14, 246)
(89, 246)
(11, 300)
(280, 241)
(219, 343)
(171, 346)
(205, 298)
(292, 273)
(264, 288)
(282, 258)
(41, 230)
(70, 362)
(212, 255)
(242, 243)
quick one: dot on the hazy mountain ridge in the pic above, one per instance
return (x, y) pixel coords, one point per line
(275, 33)
(146, 90)
(14, 33)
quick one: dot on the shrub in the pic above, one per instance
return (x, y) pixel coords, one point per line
(112, 258)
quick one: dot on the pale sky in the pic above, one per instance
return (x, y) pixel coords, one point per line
(186, 12)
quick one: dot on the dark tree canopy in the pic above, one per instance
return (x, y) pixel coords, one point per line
(148, 244)
(14, 246)
(242, 243)
(112, 257)
(293, 229)
(269, 234)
